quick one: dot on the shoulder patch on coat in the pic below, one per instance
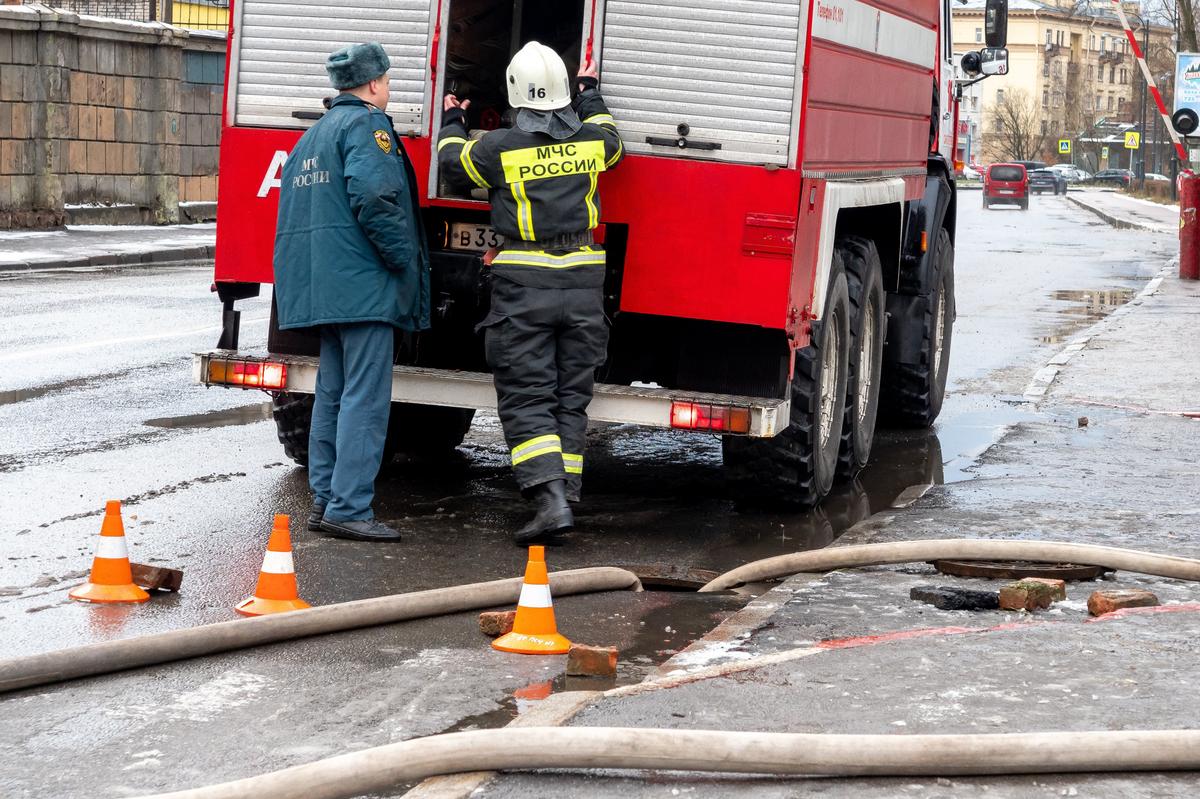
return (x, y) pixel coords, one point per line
(384, 141)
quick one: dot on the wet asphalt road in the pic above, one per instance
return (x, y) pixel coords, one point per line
(96, 402)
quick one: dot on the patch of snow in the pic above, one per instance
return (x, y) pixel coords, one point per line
(231, 690)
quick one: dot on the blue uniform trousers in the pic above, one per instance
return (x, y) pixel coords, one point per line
(350, 417)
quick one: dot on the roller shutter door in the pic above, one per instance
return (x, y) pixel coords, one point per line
(725, 69)
(282, 46)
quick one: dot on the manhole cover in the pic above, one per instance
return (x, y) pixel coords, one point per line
(667, 577)
(1018, 569)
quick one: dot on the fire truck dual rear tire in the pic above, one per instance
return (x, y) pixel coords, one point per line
(797, 467)
(913, 392)
(868, 325)
(422, 430)
(426, 431)
(293, 418)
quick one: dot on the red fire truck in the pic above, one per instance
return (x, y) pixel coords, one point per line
(780, 236)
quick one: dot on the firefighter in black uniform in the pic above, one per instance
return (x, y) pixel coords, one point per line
(546, 333)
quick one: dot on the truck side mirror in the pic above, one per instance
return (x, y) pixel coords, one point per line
(995, 23)
(993, 61)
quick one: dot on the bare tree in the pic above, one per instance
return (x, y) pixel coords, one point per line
(1016, 125)
(1186, 26)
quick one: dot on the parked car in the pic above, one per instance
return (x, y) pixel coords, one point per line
(1072, 173)
(970, 173)
(1114, 177)
(1006, 183)
(1031, 165)
(1157, 176)
(1041, 180)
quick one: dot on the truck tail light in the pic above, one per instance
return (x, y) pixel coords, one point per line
(717, 418)
(248, 374)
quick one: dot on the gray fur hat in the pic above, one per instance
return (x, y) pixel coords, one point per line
(357, 64)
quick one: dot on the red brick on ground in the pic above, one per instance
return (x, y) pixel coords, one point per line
(1101, 602)
(156, 577)
(1030, 594)
(497, 622)
(1058, 587)
(591, 661)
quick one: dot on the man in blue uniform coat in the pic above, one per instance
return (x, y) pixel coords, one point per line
(351, 259)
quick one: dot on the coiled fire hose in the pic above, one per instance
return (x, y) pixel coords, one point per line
(831, 558)
(375, 770)
(208, 639)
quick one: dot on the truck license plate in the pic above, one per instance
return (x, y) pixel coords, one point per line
(474, 238)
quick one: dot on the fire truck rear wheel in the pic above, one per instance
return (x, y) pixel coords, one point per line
(915, 390)
(868, 323)
(797, 467)
(427, 431)
(293, 417)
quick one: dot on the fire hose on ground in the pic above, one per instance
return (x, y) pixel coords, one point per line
(832, 558)
(110, 656)
(801, 754)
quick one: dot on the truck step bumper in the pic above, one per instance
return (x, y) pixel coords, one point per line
(760, 417)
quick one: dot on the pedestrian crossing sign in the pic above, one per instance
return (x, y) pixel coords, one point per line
(1133, 140)
(1064, 146)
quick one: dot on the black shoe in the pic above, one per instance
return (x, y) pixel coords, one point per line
(314, 518)
(361, 530)
(552, 518)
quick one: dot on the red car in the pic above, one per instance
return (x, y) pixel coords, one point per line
(1006, 183)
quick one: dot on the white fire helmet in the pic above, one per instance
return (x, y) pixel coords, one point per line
(537, 78)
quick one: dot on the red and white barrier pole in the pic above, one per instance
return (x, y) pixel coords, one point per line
(1189, 226)
(1189, 182)
(1141, 59)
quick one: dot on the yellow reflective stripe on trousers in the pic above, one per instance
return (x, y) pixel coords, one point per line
(590, 201)
(465, 158)
(572, 464)
(450, 140)
(534, 447)
(524, 211)
(583, 257)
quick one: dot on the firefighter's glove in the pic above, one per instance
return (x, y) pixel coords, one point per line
(588, 83)
(454, 115)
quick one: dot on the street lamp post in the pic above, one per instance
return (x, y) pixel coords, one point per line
(1141, 172)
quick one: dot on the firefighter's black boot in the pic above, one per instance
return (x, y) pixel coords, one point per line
(552, 518)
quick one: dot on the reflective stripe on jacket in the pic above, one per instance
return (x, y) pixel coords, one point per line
(540, 188)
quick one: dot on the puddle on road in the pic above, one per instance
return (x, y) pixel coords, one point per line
(246, 414)
(1094, 303)
(1088, 306)
(661, 632)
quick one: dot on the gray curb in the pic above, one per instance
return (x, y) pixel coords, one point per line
(1117, 222)
(176, 255)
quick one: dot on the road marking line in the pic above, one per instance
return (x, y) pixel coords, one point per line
(79, 347)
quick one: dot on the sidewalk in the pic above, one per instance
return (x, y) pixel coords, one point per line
(103, 245)
(1122, 211)
(849, 652)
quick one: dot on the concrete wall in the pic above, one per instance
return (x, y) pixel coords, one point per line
(101, 111)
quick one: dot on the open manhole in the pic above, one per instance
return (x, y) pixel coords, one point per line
(669, 577)
(1018, 569)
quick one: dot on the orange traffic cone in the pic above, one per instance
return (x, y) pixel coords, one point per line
(111, 579)
(534, 631)
(276, 591)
